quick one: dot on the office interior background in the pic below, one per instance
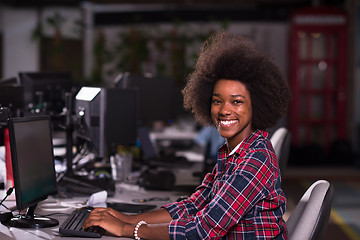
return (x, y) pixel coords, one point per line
(98, 42)
(102, 43)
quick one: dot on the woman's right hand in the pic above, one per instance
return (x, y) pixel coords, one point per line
(119, 215)
(111, 220)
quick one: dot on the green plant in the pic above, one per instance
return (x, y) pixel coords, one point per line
(132, 51)
(101, 57)
(57, 53)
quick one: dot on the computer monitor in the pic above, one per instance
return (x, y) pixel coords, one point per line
(158, 96)
(46, 89)
(12, 97)
(33, 168)
(107, 117)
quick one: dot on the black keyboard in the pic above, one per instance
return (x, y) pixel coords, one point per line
(72, 227)
(130, 207)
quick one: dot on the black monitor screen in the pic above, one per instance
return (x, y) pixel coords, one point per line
(32, 160)
(11, 96)
(157, 97)
(46, 88)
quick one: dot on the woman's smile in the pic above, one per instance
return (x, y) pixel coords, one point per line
(227, 122)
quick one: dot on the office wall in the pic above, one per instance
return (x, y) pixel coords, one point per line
(112, 21)
(271, 37)
(19, 52)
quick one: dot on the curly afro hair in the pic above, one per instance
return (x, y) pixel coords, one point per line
(227, 56)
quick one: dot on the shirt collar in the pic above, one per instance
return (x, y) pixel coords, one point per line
(224, 148)
(236, 148)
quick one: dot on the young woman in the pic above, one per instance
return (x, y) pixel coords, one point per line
(240, 91)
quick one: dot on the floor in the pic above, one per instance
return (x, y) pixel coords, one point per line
(344, 221)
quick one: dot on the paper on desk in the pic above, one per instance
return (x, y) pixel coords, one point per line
(97, 199)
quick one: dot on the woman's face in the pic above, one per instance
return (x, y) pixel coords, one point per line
(231, 111)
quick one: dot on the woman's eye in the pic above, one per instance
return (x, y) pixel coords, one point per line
(238, 101)
(215, 101)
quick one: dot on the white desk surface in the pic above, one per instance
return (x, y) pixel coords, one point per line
(124, 193)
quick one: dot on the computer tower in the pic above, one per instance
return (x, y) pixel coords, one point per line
(106, 117)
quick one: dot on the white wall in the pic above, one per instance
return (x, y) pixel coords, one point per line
(19, 52)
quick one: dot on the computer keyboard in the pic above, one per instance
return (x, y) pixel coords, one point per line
(130, 207)
(72, 227)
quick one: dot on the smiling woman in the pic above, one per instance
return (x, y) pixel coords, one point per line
(241, 92)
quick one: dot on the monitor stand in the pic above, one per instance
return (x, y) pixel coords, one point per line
(29, 220)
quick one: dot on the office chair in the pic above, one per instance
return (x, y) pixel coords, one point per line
(281, 140)
(311, 215)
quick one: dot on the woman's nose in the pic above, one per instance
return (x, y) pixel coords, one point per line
(225, 109)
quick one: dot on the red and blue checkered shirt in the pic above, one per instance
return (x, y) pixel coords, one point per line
(241, 199)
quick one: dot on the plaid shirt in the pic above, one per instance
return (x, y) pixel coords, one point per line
(241, 199)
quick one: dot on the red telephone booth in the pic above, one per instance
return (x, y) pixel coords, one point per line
(318, 38)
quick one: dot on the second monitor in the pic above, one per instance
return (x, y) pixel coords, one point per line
(159, 98)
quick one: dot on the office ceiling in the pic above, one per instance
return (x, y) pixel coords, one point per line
(240, 10)
(245, 3)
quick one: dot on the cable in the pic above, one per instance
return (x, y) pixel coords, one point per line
(8, 193)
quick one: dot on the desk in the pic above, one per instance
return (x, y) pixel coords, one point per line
(124, 193)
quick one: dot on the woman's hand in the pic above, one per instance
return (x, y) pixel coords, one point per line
(111, 220)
